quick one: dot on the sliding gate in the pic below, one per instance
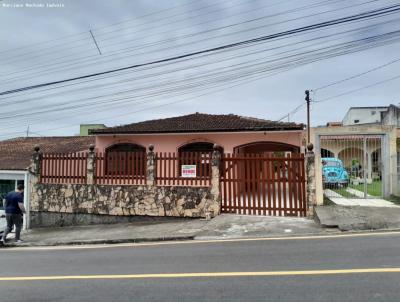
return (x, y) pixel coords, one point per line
(263, 184)
(352, 166)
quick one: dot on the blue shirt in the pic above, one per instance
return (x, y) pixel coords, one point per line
(12, 200)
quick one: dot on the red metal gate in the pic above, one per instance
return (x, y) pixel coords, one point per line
(262, 184)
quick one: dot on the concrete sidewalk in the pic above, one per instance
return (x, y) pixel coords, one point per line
(241, 226)
(222, 227)
(358, 200)
(329, 219)
(353, 218)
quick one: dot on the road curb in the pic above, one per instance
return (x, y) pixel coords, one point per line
(188, 238)
(99, 241)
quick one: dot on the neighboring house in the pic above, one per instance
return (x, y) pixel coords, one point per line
(366, 141)
(380, 115)
(364, 115)
(85, 128)
(16, 154)
(391, 116)
(199, 132)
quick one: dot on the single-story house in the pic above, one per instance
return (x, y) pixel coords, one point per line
(199, 132)
(122, 182)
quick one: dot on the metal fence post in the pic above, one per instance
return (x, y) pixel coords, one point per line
(311, 184)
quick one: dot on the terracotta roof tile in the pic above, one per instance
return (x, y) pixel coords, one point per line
(15, 154)
(199, 122)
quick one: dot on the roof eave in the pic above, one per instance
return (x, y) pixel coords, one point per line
(272, 129)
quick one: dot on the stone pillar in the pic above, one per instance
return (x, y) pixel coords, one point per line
(213, 209)
(35, 165)
(91, 165)
(151, 169)
(310, 180)
(34, 170)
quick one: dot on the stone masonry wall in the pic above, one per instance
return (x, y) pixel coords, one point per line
(124, 200)
(69, 204)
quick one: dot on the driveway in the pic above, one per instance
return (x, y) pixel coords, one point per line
(359, 201)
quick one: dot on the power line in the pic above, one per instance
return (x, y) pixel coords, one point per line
(365, 15)
(197, 65)
(357, 75)
(20, 58)
(342, 81)
(95, 42)
(258, 61)
(251, 79)
(358, 89)
(295, 110)
(211, 80)
(129, 50)
(162, 105)
(98, 28)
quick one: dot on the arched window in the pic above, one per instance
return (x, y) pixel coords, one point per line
(125, 147)
(198, 154)
(265, 147)
(197, 147)
(126, 159)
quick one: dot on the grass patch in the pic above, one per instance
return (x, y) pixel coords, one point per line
(373, 189)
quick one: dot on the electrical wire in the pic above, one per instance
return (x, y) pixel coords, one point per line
(369, 14)
(212, 80)
(95, 59)
(358, 89)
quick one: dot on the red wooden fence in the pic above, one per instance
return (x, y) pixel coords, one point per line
(64, 168)
(169, 168)
(263, 185)
(250, 183)
(121, 168)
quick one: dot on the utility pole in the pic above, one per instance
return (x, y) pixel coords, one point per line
(308, 115)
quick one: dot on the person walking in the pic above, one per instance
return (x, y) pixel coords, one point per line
(14, 209)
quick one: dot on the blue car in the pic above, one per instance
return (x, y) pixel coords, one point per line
(333, 173)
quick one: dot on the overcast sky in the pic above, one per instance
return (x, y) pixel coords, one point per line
(47, 41)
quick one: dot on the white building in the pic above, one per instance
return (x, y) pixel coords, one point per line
(364, 115)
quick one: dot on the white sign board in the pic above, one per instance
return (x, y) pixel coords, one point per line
(188, 171)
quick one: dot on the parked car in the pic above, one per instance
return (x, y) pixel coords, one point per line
(333, 173)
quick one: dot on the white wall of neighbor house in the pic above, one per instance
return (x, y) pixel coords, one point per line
(391, 116)
(18, 176)
(367, 115)
(388, 153)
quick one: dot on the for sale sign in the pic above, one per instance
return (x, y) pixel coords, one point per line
(188, 171)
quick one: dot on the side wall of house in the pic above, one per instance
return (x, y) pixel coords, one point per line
(171, 142)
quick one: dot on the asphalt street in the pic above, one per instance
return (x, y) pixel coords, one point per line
(329, 268)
